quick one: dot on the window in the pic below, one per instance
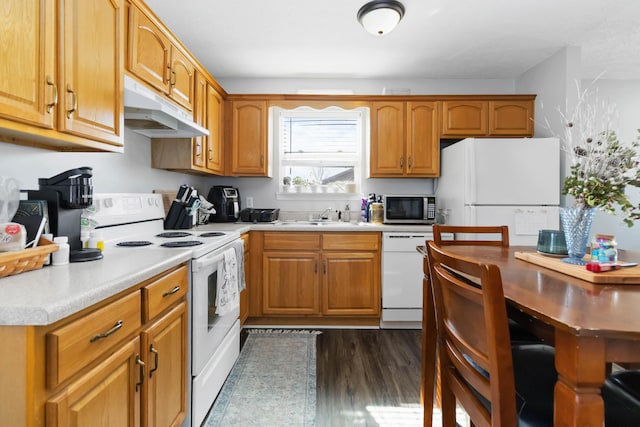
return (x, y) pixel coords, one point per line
(319, 150)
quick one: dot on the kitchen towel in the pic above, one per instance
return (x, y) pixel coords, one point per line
(238, 245)
(228, 293)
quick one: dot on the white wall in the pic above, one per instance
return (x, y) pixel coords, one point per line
(625, 94)
(554, 80)
(112, 172)
(370, 87)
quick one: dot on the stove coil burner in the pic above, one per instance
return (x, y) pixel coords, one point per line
(212, 234)
(181, 244)
(134, 243)
(174, 234)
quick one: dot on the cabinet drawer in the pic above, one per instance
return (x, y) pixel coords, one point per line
(164, 292)
(352, 241)
(72, 347)
(291, 241)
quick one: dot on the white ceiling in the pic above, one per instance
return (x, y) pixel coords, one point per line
(437, 39)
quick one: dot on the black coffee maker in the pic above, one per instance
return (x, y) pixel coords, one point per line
(226, 202)
(67, 194)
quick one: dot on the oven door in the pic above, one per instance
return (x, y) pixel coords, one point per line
(209, 328)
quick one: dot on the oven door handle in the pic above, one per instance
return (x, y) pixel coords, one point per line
(207, 260)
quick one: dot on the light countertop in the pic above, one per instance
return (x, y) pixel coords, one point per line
(44, 296)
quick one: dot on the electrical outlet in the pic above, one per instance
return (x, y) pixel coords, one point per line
(249, 202)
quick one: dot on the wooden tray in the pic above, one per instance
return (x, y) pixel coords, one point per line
(623, 276)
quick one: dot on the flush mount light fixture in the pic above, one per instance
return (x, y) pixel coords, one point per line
(380, 17)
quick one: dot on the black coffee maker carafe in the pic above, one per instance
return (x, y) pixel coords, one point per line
(67, 194)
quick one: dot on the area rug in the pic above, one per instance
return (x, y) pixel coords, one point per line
(273, 382)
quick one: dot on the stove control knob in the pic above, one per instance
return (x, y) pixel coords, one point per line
(108, 203)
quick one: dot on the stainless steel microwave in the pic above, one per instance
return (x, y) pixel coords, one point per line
(409, 209)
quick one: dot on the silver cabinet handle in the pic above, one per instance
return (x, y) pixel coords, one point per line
(115, 328)
(171, 292)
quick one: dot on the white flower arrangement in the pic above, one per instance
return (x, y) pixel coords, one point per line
(601, 166)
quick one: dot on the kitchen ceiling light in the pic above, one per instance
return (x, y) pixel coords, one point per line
(380, 17)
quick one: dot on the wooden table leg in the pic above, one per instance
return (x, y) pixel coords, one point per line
(581, 366)
(429, 341)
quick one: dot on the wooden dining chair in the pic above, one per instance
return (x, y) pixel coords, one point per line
(478, 365)
(500, 234)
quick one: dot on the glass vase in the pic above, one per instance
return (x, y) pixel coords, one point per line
(576, 225)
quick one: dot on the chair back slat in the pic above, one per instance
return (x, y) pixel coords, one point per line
(473, 334)
(472, 235)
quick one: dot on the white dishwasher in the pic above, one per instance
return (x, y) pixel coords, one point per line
(402, 279)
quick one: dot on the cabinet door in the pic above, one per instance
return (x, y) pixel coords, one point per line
(92, 66)
(351, 284)
(28, 87)
(387, 139)
(249, 138)
(511, 118)
(200, 117)
(165, 350)
(290, 283)
(150, 50)
(181, 79)
(465, 118)
(214, 142)
(423, 142)
(107, 395)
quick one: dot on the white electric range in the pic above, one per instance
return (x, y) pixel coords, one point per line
(135, 222)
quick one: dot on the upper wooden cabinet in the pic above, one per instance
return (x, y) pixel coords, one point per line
(511, 118)
(91, 80)
(214, 147)
(28, 87)
(404, 139)
(76, 103)
(159, 62)
(202, 154)
(486, 118)
(465, 118)
(249, 142)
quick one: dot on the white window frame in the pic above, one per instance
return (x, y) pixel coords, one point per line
(362, 113)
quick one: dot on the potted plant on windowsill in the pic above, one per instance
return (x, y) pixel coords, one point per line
(601, 168)
(299, 184)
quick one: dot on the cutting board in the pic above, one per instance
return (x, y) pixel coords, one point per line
(623, 276)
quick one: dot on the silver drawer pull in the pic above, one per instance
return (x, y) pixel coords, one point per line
(117, 326)
(171, 292)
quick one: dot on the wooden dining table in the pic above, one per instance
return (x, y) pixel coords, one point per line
(590, 325)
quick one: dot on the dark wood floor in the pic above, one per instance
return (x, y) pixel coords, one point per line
(368, 377)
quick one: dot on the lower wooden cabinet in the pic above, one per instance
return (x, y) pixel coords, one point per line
(165, 356)
(330, 274)
(107, 395)
(290, 283)
(349, 284)
(122, 362)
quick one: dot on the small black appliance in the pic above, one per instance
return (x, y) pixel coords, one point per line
(67, 194)
(259, 215)
(226, 202)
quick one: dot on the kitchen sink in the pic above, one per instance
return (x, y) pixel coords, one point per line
(317, 223)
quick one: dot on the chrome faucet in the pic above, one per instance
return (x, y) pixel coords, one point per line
(324, 215)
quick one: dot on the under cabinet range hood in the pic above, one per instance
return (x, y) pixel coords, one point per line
(149, 114)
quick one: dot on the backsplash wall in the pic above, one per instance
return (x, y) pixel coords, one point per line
(112, 172)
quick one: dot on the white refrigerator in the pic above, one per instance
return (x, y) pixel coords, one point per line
(510, 181)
